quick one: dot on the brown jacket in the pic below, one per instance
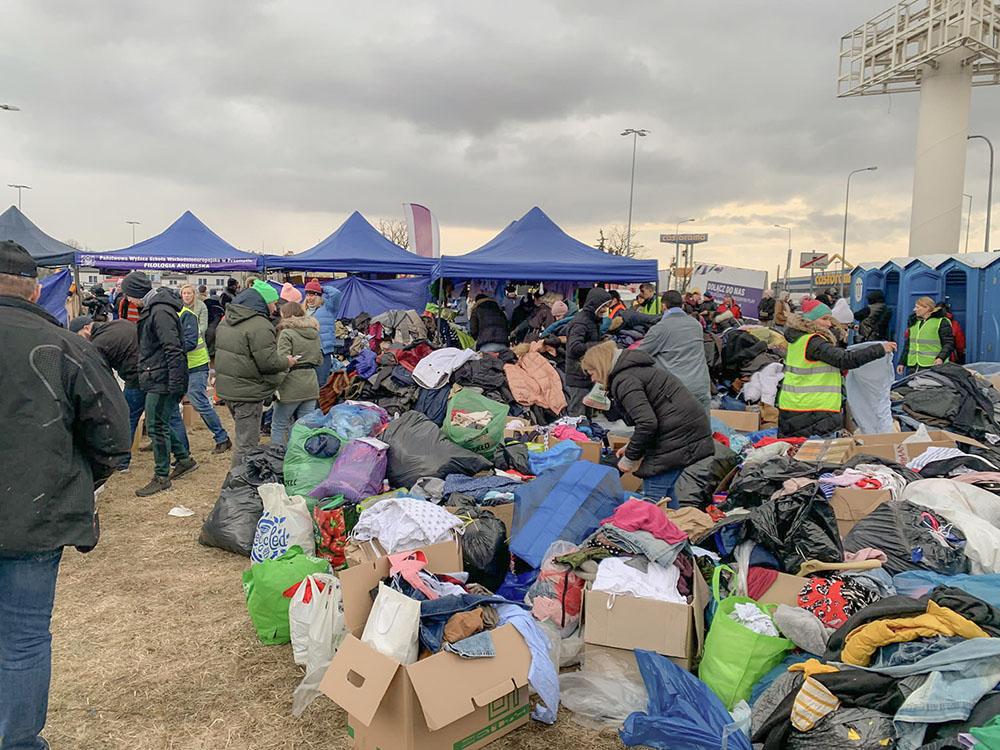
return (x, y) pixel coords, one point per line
(534, 381)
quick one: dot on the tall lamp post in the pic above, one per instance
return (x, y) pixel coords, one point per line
(636, 134)
(677, 250)
(19, 188)
(134, 224)
(989, 192)
(847, 203)
(788, 260)
(968, 220)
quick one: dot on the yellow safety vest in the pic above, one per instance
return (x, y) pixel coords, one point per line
(199, 355)
(808, 385)
(925, 342)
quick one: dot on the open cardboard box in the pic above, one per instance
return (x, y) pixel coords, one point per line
(851, 504)
(741, 421)
(887, 445)
(512, 433)
(442, 701)
(442, 554)
(628, 622)
(784, 590)
(630, 482)
(591, 450)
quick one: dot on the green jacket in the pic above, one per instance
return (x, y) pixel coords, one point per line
(300, 336)
(247, 364)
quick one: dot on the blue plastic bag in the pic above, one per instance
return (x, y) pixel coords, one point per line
(355, 419)
(918, 583)
(560, 454)
(683, 713)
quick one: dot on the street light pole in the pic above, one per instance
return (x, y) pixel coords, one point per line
(19, 188)
(677, 250)
(133, 223)
(788, 260)
(989, 192)
(636, 134)
(968, 221)
(847, 201)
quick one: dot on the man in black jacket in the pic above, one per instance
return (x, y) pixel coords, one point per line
(488, 325)
(583, 332)
(65, 429)
(163, 375)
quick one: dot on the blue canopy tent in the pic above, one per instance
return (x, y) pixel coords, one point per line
(186, 245)
(356, 247)
(376, 297)
(47, 251)
(535, 248)
(55, 288)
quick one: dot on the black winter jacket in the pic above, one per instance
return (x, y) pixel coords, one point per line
(945, 332)
(118, 342)
(873, 323)
(583, 332)
(765, 310)
(820, 349)
(672, 430)
(488, 324)
(65, 429)
(162, 361)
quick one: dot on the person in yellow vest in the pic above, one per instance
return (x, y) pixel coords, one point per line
(930, 339)
(198, 371)
(811, 399)
(647, 300)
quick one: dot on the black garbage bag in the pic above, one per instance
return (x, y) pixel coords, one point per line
(798, 527)
(698, 482)
(512, 457)
(899, 529)
(755, 484)
(484, 548)
(265, 464)
(418, 449)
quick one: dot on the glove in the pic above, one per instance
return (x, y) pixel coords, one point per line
(625, 465)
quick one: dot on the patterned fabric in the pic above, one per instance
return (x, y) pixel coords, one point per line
(833, 599)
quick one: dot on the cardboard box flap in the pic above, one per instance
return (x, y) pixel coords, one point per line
(449, 687)
(357, 679)
(700, 597)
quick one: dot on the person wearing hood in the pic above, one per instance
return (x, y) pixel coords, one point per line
(488, 325)
(247, 364)
(672, 429)
(677, 346)
(873, 319)
(163, 376)
(930, 339)
(810, 402)
(298, 337)
(582, 333)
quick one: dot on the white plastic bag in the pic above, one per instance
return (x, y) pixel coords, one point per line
(286, 522)
(599, 699)
(326, 629)
(306, 606)
(393, 627)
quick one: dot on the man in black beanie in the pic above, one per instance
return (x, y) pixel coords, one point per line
(65, 430)
(163, 375)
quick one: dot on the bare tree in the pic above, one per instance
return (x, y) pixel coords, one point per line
(395, 230)
(615, 242)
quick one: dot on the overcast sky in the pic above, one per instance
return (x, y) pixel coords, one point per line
(272, 121)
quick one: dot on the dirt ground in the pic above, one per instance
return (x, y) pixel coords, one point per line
(153, 648)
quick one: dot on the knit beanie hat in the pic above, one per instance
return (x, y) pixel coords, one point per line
(559, 309)
(266, 291)
(314, 286)
(136, 285)
(289, 293)
(813, 309)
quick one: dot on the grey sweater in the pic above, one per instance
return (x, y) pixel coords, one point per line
(676, 344)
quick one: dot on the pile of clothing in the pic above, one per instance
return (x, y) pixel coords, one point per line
(949, 397)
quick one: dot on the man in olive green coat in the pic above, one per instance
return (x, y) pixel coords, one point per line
(247, 364)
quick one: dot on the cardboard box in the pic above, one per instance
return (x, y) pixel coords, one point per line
(630, 482)
(851, 504)
(444, 557)
(889, 446)
(741, 421)
(591, 450)
(836, 451)
(628, 622)
(511, 433)
(784, 590)
(440, 701)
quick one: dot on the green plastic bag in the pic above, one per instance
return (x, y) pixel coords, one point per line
(481, 440)
(303, 472)
(736, 657)
(264, 586)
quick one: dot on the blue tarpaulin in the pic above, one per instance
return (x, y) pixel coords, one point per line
(534, 248)
(53, 296)
(47, 251)
(356, 247)
(186, 245)
(376, 297)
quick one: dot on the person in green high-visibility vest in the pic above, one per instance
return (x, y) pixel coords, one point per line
(811, 399)
(194, 325)
(930, 339)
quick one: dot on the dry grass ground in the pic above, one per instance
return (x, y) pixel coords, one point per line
(153, 649)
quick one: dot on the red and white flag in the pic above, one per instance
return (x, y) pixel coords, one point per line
(422, 228)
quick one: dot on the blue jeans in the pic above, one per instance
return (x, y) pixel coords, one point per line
(661, 486)
(136, 401)
(324, 369)
(283, 416)
(198, 396)
(27, 592)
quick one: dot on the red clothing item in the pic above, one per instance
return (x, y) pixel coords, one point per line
(409, 358)
(639, 515)
(759, 580)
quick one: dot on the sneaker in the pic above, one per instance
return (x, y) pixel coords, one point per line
(222, 447)
(182, 467)
(157, 484)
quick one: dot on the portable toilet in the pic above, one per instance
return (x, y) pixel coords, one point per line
(865, 278)
(892, 275)
(988, 333)
(921, 277)
(961, 277)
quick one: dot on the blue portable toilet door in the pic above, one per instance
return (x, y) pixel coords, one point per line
(897, 323)
(961, 293)
(988, 344)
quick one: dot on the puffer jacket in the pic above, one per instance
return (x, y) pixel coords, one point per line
(583, 332)
(873, 323)
(822, 348)
(326, 315)
(672, 430)
(534, 381)
(488, 324)
(118, 342)
(65, 429)
(247, 364)
(946, 333)
(162, 360)
(299, 335)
